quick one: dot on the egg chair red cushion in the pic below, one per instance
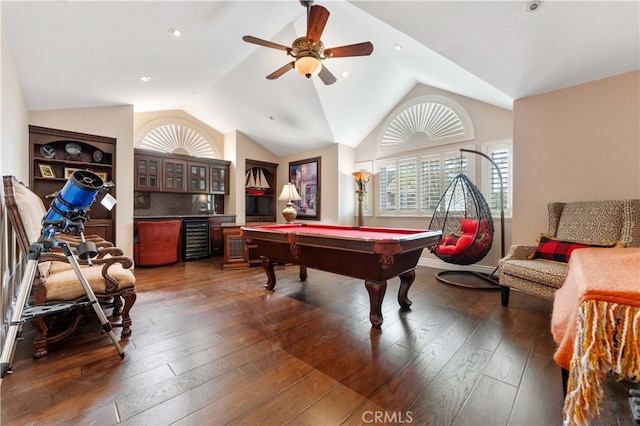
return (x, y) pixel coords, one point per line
(458, 243)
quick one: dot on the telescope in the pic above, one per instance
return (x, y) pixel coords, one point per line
(75, 198)
(69, 209)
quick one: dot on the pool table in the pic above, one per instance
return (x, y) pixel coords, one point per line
(372, 254)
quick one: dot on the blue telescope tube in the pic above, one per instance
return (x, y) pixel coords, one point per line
(76, 196)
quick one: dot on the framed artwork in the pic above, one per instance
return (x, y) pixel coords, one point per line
(305, 175)
(68, 171)
(46, 171)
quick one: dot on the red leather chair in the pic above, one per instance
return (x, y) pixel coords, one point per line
(156, 242)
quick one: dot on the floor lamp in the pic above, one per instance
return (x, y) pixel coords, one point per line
(361, 178)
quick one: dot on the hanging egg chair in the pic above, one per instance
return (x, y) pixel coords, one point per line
(464, 217)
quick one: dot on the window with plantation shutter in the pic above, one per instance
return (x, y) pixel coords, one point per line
(501, 154)
(407, 186)
(421, 143)
(430, 182)
(413, 186)
(387, 188)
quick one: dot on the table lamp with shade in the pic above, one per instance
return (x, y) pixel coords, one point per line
(361, 177)
(289, 193)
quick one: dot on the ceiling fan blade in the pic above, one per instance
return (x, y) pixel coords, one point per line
(318, 17)
(283, 69)
(359, 49)
(326, 76)
(260, 42)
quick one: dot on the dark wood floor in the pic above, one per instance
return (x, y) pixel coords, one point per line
(214, 347)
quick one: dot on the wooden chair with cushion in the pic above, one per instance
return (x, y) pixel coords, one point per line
(109, 277)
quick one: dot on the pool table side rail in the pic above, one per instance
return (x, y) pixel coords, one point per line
(412, 239)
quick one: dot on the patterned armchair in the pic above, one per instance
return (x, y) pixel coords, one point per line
(55, 281)
(597, 223)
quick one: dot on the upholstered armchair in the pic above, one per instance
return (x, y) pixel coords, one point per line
(540, 270)
(55, 281)
(156, 242)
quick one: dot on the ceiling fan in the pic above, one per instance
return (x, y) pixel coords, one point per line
(309, 51)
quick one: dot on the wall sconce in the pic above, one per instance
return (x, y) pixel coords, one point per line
(361, 177)
(289, 193)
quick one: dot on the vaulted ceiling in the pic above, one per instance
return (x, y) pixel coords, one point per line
(73, 53)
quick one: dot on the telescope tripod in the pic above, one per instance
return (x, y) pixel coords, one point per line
(23, 313)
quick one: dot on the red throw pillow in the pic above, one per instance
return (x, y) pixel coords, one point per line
(550, 248)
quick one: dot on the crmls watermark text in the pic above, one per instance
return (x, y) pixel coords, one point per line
(397, 417)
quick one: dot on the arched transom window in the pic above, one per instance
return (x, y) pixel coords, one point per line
(177, 139)
(426, 121)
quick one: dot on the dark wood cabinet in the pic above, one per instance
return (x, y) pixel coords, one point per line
(217, 224)
(219, 180)
(198, 177)
(164, 172)
(260, 198)
(55, 154)
(148, 173)
(174, 175)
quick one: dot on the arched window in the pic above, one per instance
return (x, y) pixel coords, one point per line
(415, 166)
(177, 139)
(425, 122)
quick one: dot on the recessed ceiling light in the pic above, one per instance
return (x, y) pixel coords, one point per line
(145, 78)
(176, 32)
(533, 6)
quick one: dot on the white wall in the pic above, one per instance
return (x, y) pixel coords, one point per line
(115, 122)
(14, 152)
(347, 208)
(577, 144)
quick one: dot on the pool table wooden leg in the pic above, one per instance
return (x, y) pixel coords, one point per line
(406, 280)
(303, 273)
(376, 290)
(267, 265)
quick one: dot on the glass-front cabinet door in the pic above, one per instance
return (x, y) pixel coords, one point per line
(174, 175)
(147, 173)
(219, 181)
(198, 177)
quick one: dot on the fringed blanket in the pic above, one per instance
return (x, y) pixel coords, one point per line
(596, 324)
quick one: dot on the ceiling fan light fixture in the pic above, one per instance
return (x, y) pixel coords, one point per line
(308, 66)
